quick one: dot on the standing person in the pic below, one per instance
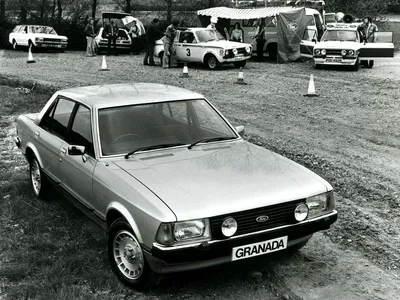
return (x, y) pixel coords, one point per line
(260, 39)
(90, 34)
(152, 35)
(368, 34)
(213, 21)
(112, 34)
(237, 33)
(134, 33)
(168, 40)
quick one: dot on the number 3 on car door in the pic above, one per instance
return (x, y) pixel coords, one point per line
(188, 52)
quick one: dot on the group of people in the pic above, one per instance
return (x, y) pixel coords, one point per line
(111, 32)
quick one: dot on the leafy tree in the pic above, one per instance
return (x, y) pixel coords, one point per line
(359, 8)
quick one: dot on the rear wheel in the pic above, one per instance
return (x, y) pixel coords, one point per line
(127, 258)
(38, 182)
(212, 62)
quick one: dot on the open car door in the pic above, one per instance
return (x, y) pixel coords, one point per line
(382, 48)
(308, 42)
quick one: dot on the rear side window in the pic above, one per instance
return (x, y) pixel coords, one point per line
(61, 117)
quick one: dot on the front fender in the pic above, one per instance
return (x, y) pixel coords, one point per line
(125, 213)
(215, 53)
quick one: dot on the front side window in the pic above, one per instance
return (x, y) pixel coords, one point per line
(81, 130)
(123, 129)
(61, 117)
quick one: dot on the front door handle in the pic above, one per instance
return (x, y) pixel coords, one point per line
(63, 151)
(37, 134)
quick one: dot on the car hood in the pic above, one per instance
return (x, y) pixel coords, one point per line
(225, 44)
(50, 36)
(338, 45)
(222, 178)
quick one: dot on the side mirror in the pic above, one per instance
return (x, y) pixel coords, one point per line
(240, 129)
(76, 150)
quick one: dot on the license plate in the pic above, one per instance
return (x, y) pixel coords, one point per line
(260, 248)
(338, 60)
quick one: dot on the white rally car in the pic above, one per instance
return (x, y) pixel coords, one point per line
(341, 45)
(38, 36)
(207, 46)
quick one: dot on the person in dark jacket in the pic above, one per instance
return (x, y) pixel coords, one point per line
(152, 35)
(112, 35)
(90, 34)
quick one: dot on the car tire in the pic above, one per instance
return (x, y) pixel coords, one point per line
(161, 57)
(240, 64)
(212, 62)
(129, 263)
(297, 247)
(38, 181)
(370, 64)
(30, 44)
(15, 45)
(356, 66)
(318, 66)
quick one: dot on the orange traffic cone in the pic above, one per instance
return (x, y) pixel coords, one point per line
(30, 56)
(104, 64)
(240, 79)
(311, 88)
(185, 72)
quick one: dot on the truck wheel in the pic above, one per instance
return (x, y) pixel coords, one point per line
(212, 62)
(127, 258)
(38, 181)
(14, 45)
(240, 64)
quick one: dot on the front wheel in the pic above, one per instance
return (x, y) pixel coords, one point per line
(356, 65)
(14, 45)
(38, 182)
(240, 64)
(318, 66)
(297, 247)
(127, 258)
(212, 62)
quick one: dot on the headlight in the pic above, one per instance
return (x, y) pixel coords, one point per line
(221, 52)
(301, 212)
(351, 52)
(183, 232)
(317, 52)
(344, 52)
(323, 52)
(38, 39)
(320, 204)
(229, 227)
(248, 49)
(235, 51)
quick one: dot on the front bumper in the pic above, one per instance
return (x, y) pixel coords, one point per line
(335, 61)
(190, 257)
(51, 45)
(235, 59)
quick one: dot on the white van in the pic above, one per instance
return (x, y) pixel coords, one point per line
(249, 26)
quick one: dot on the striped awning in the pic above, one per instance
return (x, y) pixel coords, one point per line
(243, 13)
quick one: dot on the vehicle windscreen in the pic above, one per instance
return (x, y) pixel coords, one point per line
(124, 129)
(340, 35)
(43, 29)
(209, 35)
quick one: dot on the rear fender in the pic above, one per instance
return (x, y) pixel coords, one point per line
(30, 145)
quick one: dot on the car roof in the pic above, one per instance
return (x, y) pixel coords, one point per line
(110, 95)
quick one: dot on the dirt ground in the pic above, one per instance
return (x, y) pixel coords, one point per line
(349, 135)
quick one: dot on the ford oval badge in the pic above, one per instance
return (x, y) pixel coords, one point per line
(262, 219)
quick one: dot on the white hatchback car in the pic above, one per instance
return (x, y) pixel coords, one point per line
(37, 36)
(208, 46)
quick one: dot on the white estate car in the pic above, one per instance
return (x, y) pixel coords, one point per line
(341, 45)
(208, 46)
(37, 36)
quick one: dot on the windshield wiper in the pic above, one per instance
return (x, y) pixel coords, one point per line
(153, 147)
(208, 140)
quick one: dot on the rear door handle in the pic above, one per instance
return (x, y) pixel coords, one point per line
(37, 134)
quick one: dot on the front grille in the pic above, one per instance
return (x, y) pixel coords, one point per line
(241, 50)
(278, 215)
(53, 40)
(334, 52)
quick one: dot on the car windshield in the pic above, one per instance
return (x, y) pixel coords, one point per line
(340, 35)
(43, 29)
(208, 35)
(128, 128)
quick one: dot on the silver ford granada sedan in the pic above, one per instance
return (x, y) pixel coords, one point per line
(171, 181)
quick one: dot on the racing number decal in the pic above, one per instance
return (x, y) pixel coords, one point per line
(188, 52)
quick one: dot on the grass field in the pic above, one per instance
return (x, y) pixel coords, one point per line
(349, 135)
